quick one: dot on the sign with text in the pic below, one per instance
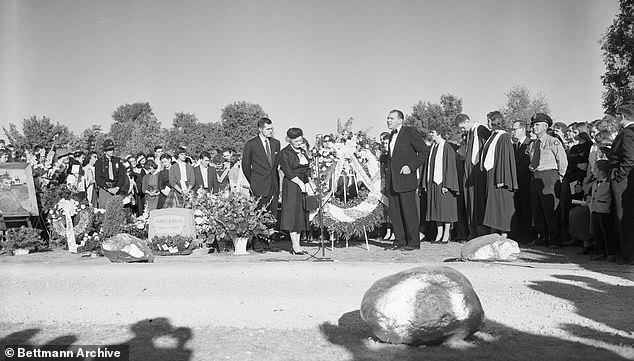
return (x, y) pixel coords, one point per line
(171, 222)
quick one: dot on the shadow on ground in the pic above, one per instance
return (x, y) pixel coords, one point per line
(596, 301)
(143, 345)
(496, 341)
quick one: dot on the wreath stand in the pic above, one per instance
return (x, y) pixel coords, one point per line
(345, 197)
(320, 197)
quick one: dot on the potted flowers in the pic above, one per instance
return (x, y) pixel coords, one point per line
(233, 216)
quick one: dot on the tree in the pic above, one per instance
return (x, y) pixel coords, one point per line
(427, 116)
(126, 118)
(39, 131)
(143, 138)
(238, 122)
(618, 45)
(189, 132)
(520, 105)
(91, 139)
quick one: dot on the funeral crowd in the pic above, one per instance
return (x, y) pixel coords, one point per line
(538, 183)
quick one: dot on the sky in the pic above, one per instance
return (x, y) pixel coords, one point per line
(307, 63)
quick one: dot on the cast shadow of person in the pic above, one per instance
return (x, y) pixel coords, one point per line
(595, 300)
(24, 339)
(149, 332)
(496, 341)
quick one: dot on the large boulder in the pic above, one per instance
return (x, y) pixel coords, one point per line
(491, 247)
(124, 248)
(423, 305)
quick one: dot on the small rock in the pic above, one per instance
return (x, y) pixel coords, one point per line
(491, 247)
(124, 248)
(421, 306)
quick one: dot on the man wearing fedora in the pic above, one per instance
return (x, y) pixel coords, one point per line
(548, 166)
(110, 175)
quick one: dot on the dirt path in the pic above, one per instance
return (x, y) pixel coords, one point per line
(275, 306)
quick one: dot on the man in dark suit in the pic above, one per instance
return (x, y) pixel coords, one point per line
(405, 155)
(260, 163)
(622, 162)
(205, 176)
(110, 175)
(522, 220)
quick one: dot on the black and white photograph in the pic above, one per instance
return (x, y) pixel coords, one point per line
(316, 180)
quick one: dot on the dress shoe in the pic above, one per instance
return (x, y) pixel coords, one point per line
(298, 253)
(391, 248)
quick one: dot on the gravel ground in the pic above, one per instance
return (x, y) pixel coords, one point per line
(276, 306)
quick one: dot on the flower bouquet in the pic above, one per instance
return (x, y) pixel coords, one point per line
(229, 216)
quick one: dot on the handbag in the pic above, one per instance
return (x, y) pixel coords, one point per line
(310, 202)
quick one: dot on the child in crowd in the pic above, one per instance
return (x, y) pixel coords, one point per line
(602, 219)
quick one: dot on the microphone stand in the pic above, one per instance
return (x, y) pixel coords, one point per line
(320, 197)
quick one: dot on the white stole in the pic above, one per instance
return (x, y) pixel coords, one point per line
(489, 157)
(437, 162)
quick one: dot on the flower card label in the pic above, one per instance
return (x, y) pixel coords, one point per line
(170, 222)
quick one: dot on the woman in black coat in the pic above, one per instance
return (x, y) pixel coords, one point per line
(295, 166)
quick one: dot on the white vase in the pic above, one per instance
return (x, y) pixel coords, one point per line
(20, 252)
(240, 245)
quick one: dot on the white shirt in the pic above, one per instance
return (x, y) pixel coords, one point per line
(182, 166)
(204, 171)
(264, 139)
(393, 141)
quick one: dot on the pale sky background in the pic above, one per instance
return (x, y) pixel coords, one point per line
(307, 63)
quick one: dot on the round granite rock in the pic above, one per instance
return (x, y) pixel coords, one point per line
(423, 305)
(490, 247)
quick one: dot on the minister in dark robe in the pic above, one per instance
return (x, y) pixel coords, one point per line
(498, 161)
(440, 180)
(474, 176)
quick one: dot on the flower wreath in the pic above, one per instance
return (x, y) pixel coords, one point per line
(343, 155)
(57, 218)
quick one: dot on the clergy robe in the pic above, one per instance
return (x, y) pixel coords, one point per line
(475, 178)
(442, 207)
(500, 205)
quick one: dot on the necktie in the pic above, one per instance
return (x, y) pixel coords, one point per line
(110, 170)
(268, 151)
(536, 154)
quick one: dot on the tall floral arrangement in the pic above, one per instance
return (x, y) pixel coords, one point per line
(348, 176)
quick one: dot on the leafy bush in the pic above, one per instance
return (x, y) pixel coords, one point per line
(23, 238)
(115, 218)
